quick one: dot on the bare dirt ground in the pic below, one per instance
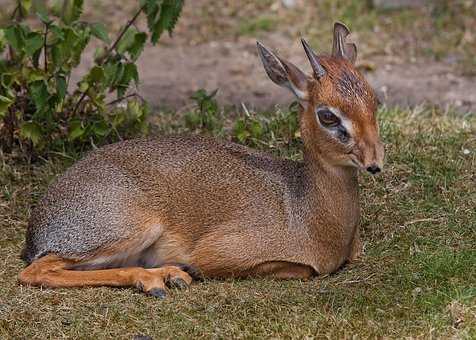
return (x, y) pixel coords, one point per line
(170, 74)
(214, 47)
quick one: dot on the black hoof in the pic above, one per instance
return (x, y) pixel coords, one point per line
(178, 283)
(157, 292)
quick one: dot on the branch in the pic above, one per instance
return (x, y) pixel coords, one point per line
(119, 37)
(79, 101)
(112, 48)
(115, 101)
(14, 13)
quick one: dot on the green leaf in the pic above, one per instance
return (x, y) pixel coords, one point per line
(168, 15)
(42, 14)
(56, 35)
(137, 46)
(8, 78)
(32, 131)
(110, 71)
(57, 55)
(5, 103)
(83, 86)
(76, 130)
(71, 10)
(41, 9)
(15, 36)
(77, 9)
(33, 74)
(119, 73)
(3, 41)
(151, 10)
(127, 40)
(101, 128)
(39, 94)
(78, 39)
(96, 75)
(100, 32)
(130, 73)
(56, 7)
(33, 43)
(136, 109)
(99, 54)
(26, 6)
(61, 86)
(256, 129)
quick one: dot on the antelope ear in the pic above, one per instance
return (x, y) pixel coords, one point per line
(284, 73)
(339, 47)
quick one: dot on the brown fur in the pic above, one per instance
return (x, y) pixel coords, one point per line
(221, 208)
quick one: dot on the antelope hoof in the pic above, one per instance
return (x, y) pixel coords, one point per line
(178, 283)
(157, 292)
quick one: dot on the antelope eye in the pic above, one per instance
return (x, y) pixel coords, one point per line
(327, 118)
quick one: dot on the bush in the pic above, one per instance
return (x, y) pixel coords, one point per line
(39, 110)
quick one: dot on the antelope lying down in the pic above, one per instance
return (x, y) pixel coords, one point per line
(155, 212)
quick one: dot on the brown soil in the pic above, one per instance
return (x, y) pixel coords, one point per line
(170, 74)
(207, 52)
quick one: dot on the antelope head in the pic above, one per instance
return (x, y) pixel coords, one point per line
(338, 123)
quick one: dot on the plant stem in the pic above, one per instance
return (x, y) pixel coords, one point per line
(14, 13)
(79, 102)
(112, 48)
(119, 37)
(115, 101)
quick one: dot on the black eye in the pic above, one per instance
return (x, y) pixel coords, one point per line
(327, 118)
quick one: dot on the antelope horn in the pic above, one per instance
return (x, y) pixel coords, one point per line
(340, 48)
(319, 71)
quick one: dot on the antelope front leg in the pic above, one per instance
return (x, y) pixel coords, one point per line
(356, 247)
(51, 271)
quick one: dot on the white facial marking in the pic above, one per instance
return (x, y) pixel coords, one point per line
(347, 123)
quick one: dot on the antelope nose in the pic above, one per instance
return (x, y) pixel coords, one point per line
(373, 169)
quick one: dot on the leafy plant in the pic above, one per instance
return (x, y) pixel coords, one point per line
(40, 111)
(267, 130)
(273, 130)
(207, 116)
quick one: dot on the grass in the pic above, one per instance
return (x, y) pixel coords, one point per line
(416, 279)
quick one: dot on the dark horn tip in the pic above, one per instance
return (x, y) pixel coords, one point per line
(339, 25)
(304, 42)
(261, 48)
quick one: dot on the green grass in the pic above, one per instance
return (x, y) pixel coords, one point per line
(416, 279)
(259, 24)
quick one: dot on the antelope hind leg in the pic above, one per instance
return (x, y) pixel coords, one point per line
(282, 270)
(52, 271)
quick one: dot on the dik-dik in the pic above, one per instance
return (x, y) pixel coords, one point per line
(152, 213)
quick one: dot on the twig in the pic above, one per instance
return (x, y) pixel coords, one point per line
(123, 98)
(112, 48)
(14, 13)
(79, 102)
(124, 30)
